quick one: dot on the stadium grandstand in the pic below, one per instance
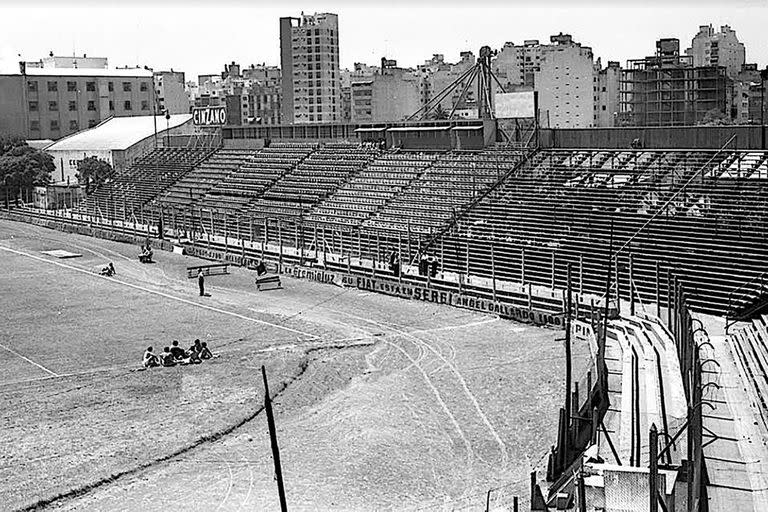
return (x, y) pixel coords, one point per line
(623, 244)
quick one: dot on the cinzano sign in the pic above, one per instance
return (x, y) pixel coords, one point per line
(209, 116)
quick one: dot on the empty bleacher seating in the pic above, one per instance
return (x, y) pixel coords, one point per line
(130, 191)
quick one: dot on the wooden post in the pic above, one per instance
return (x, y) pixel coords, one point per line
(552, 280)
(265, 239)
(213, 232)
(493, 271)
(242, 240)
(467, 257)
(582, 489)
(359, 245)
(653, 474)
(632, 288)
(568, 368)
(226, 235)
(280, 246)
(408, 227)
(617, 280)
(325, 250)
(273, 442)
(669, 300)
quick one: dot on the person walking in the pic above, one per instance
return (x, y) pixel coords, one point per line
(201, 282)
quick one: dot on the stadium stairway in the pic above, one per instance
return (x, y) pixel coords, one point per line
(645, 387)
(749, 343)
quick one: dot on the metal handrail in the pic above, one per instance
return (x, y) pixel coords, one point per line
(762, 278)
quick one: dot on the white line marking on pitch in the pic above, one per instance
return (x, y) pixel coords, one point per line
(161, 294)
(29, 360)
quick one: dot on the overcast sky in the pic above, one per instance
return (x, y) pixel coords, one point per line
(199, 37)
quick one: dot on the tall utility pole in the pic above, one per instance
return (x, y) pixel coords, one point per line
(154, 102)
(763, 79)
(273, 439)
(568, 371)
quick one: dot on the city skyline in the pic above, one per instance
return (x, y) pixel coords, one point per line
(192, 42)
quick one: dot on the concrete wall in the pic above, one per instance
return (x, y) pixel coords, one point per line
(66, 162)
(12, 113)
(684, 137)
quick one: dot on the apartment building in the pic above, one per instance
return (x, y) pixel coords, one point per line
(309, 59)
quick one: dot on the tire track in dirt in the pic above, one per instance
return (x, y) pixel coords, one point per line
(460, 379)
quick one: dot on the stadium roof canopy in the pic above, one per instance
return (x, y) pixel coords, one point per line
(117, 133)
(419, 128)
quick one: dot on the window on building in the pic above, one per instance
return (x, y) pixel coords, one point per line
(127, 86)
(53, 86)
(127, 105)
(32, 86)
(34, 126)
(92, 123)
(53, 106)
(71, 86)
(145, 105)
(603, 107)
(90, 86)
(143, 87)
(33, 106)
(73, 124)
(54, 124)
(111, 105)
(91, 105)
(111, 86)
(72, 106)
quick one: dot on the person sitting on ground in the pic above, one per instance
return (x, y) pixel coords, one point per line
(197, 347)
(193, 356)
(166, 358)
(150, 359)
(205, 353)
(177, 351)
(108, 271)
(146, 253)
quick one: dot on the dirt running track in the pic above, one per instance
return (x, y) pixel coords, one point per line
(383, 403)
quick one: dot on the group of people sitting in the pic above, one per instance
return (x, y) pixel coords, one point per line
(108, 271)
(145, 256)
(173, 355)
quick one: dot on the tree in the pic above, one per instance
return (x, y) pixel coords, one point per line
(439, 113)
(92, 172)
(22, 166)
(715, 117)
